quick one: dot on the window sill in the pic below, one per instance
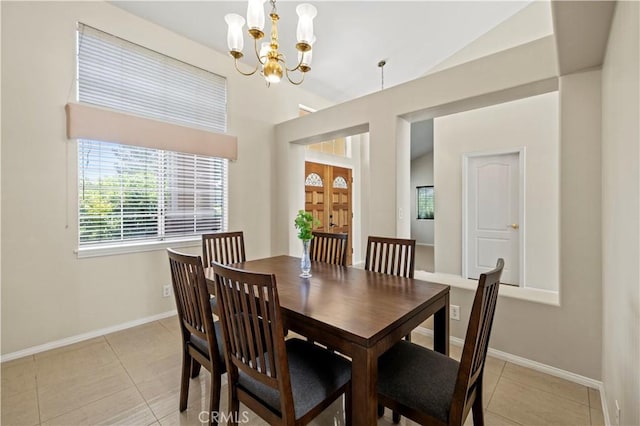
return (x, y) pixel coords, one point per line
(545, 297)
(115, 249)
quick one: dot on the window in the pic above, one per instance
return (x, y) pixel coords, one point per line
(337, 147)
(425, 202)
(132, 194)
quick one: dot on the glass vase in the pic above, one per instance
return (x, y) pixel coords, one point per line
(305, 261)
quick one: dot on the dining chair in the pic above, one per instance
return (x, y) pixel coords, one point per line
(393, 256)
(225, 248)
(284, 382)
(329, 248)
(431, 388)
(201, 344)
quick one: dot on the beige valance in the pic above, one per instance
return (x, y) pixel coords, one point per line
(91, 122)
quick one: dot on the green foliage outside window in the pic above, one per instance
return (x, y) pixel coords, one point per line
(425, 202)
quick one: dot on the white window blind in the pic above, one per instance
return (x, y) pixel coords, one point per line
(129, 194)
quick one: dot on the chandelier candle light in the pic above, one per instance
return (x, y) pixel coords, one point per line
(272, 62)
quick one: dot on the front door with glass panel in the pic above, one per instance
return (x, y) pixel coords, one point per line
(328, 198)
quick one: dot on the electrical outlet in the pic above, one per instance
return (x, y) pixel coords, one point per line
(617, 413)
(166, 291)
(454, 312)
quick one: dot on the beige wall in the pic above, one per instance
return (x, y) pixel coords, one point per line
(47, 293)
(621, 215)
(567, 337)
(530, 124)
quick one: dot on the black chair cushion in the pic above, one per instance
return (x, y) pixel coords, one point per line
(202, 344)
(418, 378)
(315, 374)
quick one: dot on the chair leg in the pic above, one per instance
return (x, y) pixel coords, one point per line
(477, 409)
(195, 368)
(234, 406)
(214, 397)
(380, 410)
(184, 380)
(395, 416)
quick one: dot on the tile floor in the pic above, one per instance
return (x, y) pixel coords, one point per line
(132, 378)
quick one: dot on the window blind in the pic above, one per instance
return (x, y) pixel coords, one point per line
(124, 76)
(132, 193)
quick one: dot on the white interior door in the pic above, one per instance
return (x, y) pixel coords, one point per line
(493, 212)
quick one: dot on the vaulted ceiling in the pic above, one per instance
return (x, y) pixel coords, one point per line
(352, 36)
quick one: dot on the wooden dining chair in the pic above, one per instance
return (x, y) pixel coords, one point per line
(284, 382)
(201, 345)
(329, 248)
(393, 256)
(225, 248)
(431, 388)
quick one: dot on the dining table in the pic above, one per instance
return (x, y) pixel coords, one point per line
(359, 313)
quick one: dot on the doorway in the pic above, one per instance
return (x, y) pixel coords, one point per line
(422, 194)
(328, 192)
(493, 218)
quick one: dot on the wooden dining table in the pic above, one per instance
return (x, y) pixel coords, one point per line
(359, 313)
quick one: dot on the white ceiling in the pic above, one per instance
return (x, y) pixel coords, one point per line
(352, 36)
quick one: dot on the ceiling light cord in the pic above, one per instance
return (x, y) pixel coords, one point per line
(381, 65)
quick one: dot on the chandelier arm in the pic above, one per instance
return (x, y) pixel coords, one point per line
(297, 66)
(291, 81)
(246, 73)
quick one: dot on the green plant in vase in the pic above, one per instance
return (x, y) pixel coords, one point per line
(304, 223)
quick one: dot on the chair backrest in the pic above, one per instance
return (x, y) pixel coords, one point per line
(223, 247)
(476, 343)
(253, 331)
(192, 299)
(393, 256)
(329, 248)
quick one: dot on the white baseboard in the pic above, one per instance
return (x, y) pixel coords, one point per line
(84, 336)
(524, 362)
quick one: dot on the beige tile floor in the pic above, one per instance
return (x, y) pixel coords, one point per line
(132, 378)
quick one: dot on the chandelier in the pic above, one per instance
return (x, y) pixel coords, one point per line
(271, 62)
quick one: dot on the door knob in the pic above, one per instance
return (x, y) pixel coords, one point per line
(515, 226)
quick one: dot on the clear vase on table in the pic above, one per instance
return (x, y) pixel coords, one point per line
(305, 261)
